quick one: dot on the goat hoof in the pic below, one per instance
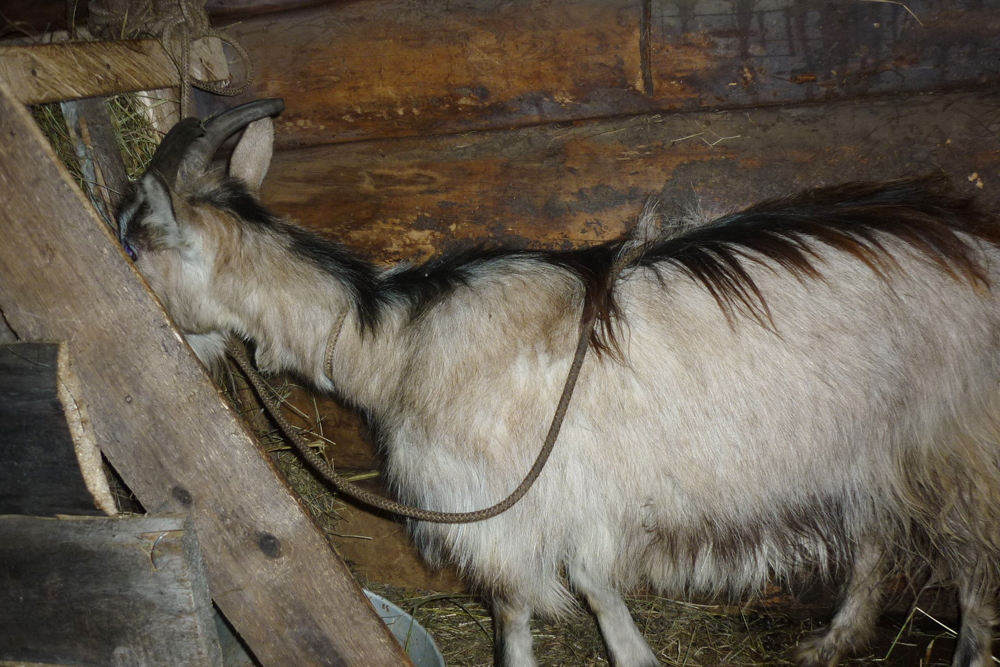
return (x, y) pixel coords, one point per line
(817, 652)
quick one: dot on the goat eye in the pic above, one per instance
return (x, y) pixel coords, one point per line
(130, 251)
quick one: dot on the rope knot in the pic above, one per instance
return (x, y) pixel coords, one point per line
(176, 23)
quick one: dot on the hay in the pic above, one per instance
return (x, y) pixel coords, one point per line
(137, 138)
(323, 505)
(682, 634)
(50, 120)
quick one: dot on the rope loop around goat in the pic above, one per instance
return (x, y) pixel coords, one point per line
(346, 487)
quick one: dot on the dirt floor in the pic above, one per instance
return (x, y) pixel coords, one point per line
(683, 634)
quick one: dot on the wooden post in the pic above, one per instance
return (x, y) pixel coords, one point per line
(164, 426)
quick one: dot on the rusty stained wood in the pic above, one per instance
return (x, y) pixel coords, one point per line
(38, 73)
(164, 426)
(380, 68)
(573, 184)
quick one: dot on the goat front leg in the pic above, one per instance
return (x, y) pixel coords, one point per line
(854, 621)
(626, 645)
(512, 634)
(975, 639)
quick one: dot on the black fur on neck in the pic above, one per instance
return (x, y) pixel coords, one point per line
(787, 233)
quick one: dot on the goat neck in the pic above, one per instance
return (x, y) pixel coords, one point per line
(293, 307)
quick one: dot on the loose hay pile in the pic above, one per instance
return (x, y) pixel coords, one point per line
(137, 139)
(682, 634)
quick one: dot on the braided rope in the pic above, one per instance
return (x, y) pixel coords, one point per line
(342, 485)
(176, 23)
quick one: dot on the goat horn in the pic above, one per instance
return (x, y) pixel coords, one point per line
(218, 129)
(190, 144)
(172, 150)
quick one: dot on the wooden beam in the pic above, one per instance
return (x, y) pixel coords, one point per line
(105, 592)
(569, 185)
(38, 73)
(164, 426)
(378, 68)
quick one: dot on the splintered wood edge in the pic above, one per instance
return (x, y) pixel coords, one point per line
(88, 454)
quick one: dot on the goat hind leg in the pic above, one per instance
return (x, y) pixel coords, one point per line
(852, 625)
(626, 645)
(512, 630)
(975, 639)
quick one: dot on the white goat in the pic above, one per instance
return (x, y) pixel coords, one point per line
(809, 386)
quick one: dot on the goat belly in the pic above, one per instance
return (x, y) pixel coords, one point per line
(718, 451)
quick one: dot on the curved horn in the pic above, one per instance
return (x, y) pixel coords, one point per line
(169, 155)
(219, 128)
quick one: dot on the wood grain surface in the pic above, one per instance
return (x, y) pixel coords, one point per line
(379, 68)
(566, 185)
(38, 73)
(105, 592)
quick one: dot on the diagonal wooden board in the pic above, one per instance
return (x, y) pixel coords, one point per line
(163, 424)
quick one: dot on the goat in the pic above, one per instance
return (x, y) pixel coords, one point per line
(809, 386)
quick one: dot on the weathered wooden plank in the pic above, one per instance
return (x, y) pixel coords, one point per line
(391, 67)
(572, 184)
(38, 73)
(736, 53)
(103, 144)
(105, 592)
(6, 335)
(382, 68)
(40, 475)
(163, 425)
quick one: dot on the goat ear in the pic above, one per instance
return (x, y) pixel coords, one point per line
(252, 155)
(159, 217)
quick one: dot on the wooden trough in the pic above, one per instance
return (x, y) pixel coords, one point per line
(412, 128)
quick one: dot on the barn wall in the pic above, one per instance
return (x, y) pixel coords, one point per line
(413, 126)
